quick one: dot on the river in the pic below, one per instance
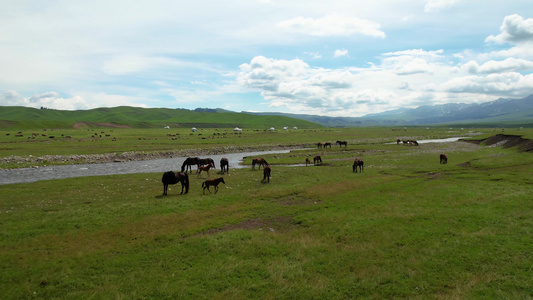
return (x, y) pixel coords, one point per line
(27, 175)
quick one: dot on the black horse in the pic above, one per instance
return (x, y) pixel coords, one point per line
(443, 159)
(266, 173)
(345, 143)
(188, 163)
(206, 161)
(173, 178)
(358, 163)
(224, 165)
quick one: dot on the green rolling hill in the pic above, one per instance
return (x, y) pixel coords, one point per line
(135, 117)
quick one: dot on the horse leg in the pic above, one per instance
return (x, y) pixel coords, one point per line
(165, 188)
(216, 189)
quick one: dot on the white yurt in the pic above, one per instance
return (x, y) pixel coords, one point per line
(194, 129)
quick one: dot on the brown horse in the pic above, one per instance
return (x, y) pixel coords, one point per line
(317, 160)
(173, 178)
(327, 145)
(443, 159)
(212, 182)
(319, 145)
(204, 169)
(358, 163)
(259, 161)
(224, 165)
(307, 161)
(266, 173)
(345, 143)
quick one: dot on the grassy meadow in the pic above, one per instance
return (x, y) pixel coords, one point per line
(407, 227)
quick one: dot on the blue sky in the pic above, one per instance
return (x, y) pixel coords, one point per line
(334, 58)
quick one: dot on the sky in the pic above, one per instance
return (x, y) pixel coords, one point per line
(331, 58)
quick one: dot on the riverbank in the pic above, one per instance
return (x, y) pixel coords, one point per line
(15, 162)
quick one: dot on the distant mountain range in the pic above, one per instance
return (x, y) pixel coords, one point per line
(501, 112)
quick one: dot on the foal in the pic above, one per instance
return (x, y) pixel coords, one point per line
(212, 182)
(205, 169)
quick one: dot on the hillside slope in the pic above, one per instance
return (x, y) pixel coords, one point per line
(24, 117)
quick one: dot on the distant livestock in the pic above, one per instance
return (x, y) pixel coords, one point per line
(358, 163)
(266, 173)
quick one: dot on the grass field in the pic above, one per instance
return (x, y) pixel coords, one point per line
(408, 227)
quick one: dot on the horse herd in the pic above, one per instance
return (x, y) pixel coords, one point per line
(203, 165)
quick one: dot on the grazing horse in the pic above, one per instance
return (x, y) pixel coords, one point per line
(224, 165)
(266, 173)
(413, 142)
(398, 141)
(319, 145)
(205, 169)
(358, 163)
(317, 160)
(345, 143)
(173, 178)
(443, 159)
(206, 161)
(212, 182)
(307, 161)
(259, 161)
(327, 145)
(188, 163)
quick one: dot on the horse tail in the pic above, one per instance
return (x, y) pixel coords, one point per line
(186, 183)
(183, 166)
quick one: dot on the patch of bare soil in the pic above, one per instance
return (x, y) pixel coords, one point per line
(275, 224)
(465, 165)
(98, 124)
(506, 141)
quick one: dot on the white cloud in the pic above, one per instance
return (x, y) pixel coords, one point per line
(341, 53)
(515, 29)
(510, 83)
(332, 25)
(437, 5)
(49, 99)
(507, 65)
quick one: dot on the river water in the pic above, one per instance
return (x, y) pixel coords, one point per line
(27, 175)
